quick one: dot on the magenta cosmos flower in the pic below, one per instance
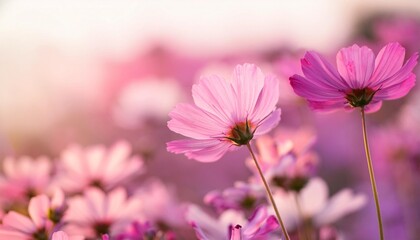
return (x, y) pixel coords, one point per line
(360, 80)
(226, 113)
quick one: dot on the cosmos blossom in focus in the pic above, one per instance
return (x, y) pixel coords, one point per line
(226, 113)
(360, 80)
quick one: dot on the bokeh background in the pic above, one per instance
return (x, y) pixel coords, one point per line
(94, 72)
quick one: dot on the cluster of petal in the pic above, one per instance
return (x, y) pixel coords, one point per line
(96, 212)
(232, 225)
(37, 226)
(159, 204)
(360, 80)
(242, 196)
(226, 113)
(97, 166)
(286, 159)
(24, 178)
(316, 207)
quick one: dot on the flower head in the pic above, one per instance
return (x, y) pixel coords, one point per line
(226, 113)
(360, 80)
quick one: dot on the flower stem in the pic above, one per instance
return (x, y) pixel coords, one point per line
(270, 195)
(372, 175)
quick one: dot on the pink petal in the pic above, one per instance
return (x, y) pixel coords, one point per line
(356, 64)
(373, 106)
(269, 123)
(201, 150)
(193, 122)
(38, 210)
(208, 94)
(11, 234)
(236, 233)
(19, 222)
(317, 69)
(327, 105)
(389, 60)
(315, 90)
(401, 75)
(314, 196)
(267, 99)
(60, 235)
(339, 205)
(247, 81)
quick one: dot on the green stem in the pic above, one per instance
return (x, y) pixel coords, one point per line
(372, 175)
(270, 195)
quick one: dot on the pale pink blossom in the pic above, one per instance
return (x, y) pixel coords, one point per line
(24, 178)
(96, 213)
(226, 113)
(16, 226)
(286, 159)
(232, 225)
(360, 79)
(97, 166)
(316, 206)
(159, 204)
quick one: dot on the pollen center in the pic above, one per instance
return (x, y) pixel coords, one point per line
(360, 97)
(241, 133)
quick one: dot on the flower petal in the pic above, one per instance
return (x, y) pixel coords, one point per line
(201, 150)
(247, 81)
(269, 123)
(38, 210)
(356, 64)
(215, 95)
(267, 99)
(319, 71)
(314, 90)
(389, 60)
(193, 122)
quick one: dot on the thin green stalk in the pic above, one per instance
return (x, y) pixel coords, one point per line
(372, 175)
(270, 195)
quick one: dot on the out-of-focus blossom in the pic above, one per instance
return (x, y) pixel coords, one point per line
(232, 224)
(159, 205)
(146, 99)
(96, 213)
(242, 196)
(97, 166)
(37, 226)
(314, 206)
(146, 230)
(286, 159)
(360, 80)
(227, 113)
(60, 235)
(23, 179)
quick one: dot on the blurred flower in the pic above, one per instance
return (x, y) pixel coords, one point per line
(258, 226)
(23, 179)
(159, 204)
(242, 196)
(37, 226)
(225, 114)
(285, 159)
(97, 166)
(314, 206)
(60, 235)
(361, 80)
(97, 213)
(146, 230)
(148, 99)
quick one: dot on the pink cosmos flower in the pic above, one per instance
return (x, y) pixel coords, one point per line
(37, 226)
(259, 226)
(24, 178)
(226, 113)
(360, 80)
(97, 213)
(97, 166)
(316, 206)
(286, 159)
